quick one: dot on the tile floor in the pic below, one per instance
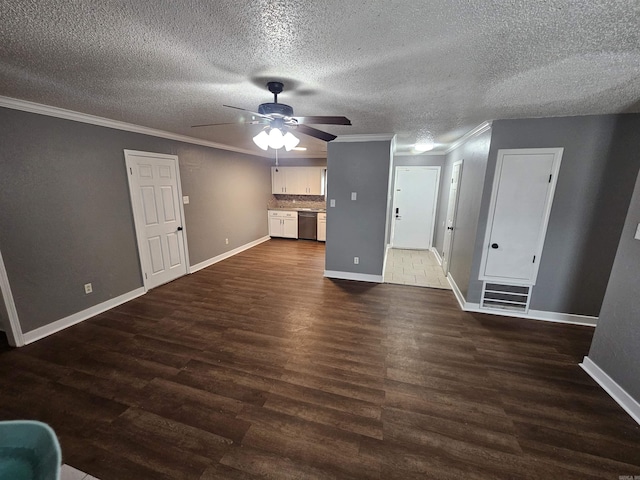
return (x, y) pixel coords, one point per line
(67, 472)
(414, 267)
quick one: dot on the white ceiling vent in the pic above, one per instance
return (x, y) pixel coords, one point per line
(497, 296)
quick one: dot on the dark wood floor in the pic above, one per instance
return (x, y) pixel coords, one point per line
(258, 367)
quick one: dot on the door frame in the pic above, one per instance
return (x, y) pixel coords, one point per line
(15, 335)
(557, 160)
(446, 259)
(137, 214)
(435, 203)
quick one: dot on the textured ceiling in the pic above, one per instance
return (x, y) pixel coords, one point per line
(418, 69)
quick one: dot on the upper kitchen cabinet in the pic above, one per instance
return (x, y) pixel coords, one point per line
(278, 180)
(297, 180)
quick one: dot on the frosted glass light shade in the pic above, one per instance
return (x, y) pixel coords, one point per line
(276, 139)
(262, 140)
(290, 141)
(424, 146)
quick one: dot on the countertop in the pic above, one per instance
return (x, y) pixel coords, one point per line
(319, 210)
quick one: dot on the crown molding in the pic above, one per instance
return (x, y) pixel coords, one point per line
(365, 137)
(436, 153)
(32, 107)
(483, 127)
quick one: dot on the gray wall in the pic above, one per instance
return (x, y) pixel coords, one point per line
(596, 179)
(474, 155)
(421, 161)
(617, 336)
(66, 219)
(228, 196)
(357, 228)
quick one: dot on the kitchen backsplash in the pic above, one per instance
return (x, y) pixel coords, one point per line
(297, 201)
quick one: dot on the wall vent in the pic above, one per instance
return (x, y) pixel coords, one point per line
(498, 296)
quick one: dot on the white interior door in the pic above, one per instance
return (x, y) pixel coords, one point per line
(521, 202)
(451, 216)
(414, 207)
(156, 199)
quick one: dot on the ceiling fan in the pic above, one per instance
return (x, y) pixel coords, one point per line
(278, 120)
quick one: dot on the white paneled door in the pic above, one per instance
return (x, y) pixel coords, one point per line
(414, 207)
(452, 208)
(521, 201)
(154, 184)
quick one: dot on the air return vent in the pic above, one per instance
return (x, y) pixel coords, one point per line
(497, 296)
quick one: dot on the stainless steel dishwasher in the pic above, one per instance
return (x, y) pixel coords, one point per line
(308, 225)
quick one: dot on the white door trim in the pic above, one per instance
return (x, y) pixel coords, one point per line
(446, 259)
(128, 154)
(14, 335)
(557, 153)
(435, 203)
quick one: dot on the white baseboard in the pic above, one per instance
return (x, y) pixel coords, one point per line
(545, 316)
(361, 277)
(66, 322)
(570, 318)
(224, 256)
(456, 291)
(619, 394)
(384, 262)
(437, 255)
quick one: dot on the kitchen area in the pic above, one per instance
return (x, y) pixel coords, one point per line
(297, 208)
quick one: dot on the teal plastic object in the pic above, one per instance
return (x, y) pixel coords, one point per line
(29, 450)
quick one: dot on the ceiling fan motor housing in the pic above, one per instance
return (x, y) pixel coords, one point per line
(278, 109)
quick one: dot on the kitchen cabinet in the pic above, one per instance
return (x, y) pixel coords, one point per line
(278, 180)
(283, 223)
(297, 180)
(322, 227)
(310, 180)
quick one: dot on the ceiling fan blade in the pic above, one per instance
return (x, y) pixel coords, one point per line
(249, 111)
(323, 120)
(314, 132)
(255, 122)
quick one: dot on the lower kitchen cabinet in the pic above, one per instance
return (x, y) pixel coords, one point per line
(322, 227)
(283, 223)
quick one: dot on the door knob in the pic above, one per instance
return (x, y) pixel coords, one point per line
(494, 245)
(179, 229)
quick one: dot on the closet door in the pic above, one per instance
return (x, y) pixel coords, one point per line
(521, 201)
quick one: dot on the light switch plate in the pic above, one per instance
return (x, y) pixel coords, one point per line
(354, 195)
(332, 202)
(637, 236)
(185, 199)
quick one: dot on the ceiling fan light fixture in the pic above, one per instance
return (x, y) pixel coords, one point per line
(262, 140)
(290, 141)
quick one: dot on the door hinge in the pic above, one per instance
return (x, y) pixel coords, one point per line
(551, 175)
(145, 276)
(534, 259)
(130, 170)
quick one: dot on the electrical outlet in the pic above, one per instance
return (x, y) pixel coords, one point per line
(354, 195)
(332, 202)
(226, 241)
(185, 199)
(356, 260)
(88, 288)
